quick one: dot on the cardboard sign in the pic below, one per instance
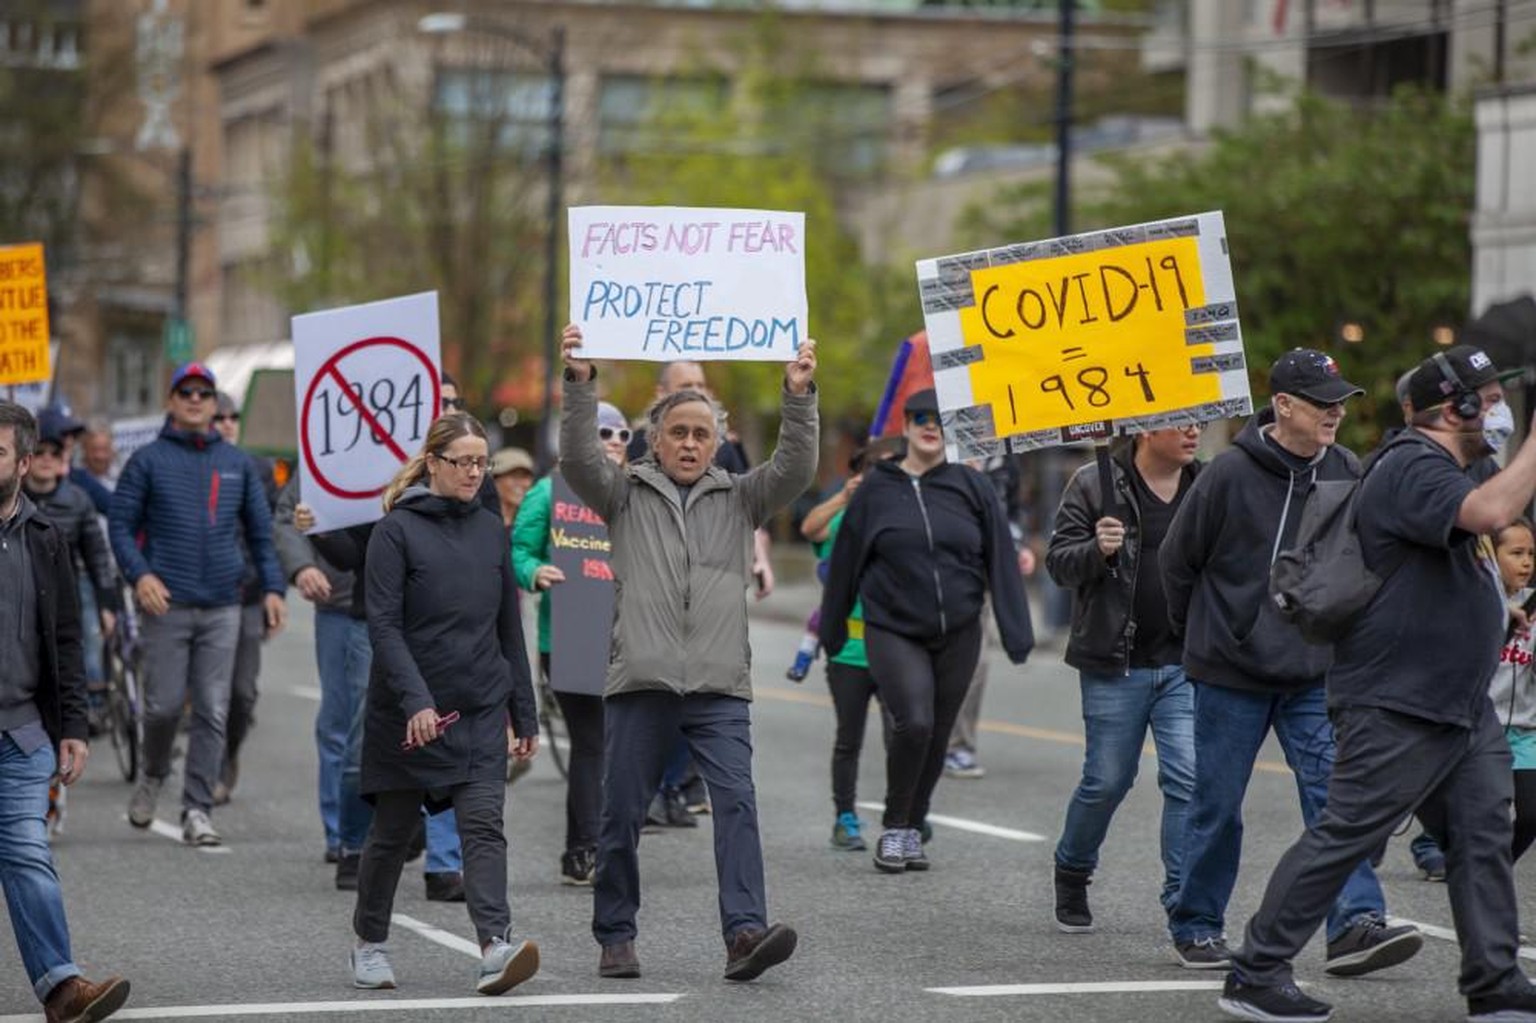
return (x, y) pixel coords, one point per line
(665, 282)
(366, 384)
(1084, 337)
(581, 608)
(24, 354)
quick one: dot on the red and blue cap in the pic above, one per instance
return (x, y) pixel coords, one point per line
(193, 370)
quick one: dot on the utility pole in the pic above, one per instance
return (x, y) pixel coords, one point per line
(554, 227)
(1064, 72)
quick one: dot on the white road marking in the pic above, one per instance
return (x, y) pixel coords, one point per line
(1086, 988)
(977, 827)
(437, 934)
(1449, 934)
(172, 832)
(510, 1002)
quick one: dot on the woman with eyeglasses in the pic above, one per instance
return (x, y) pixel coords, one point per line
(921, 543)
(447, 650)
(583, 712)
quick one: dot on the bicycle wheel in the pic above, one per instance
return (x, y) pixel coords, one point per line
(552, 723)
(123, 724)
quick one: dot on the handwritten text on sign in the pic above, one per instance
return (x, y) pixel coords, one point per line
(1083, 337)
(664, 283)
(23, 315)
(366, 387)
(581, 608)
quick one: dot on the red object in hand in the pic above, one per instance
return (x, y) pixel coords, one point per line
(442, 726)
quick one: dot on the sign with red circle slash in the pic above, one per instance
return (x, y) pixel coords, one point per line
(367, 387)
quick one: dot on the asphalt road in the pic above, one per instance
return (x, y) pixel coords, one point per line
(258, 929)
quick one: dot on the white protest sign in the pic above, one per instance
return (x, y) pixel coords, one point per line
(366, 383)
(128, 435)
(668, 282)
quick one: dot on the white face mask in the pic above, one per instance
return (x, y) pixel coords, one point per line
(1498, 426)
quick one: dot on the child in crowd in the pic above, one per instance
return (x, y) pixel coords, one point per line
(1513, 689)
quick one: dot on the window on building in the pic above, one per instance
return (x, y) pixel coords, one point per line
(519, 100)
(134, 371)
(852, 125)
(629, 106)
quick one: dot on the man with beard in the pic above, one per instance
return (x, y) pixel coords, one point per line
(1408, 695)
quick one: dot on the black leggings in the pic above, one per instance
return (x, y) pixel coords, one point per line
(922, 685)
(1525, 811)
(583, 715)
(852, 687)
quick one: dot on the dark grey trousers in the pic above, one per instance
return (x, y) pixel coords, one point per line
(639, 732)
(189, 652)
(478, 806)
(1388, 765)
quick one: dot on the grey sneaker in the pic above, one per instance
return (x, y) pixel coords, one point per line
(891, 853)
(913, 850)
(197, 829)
(1203, 954)
(505, 966)
(141, 808)
(1371, 944)
(370, 967)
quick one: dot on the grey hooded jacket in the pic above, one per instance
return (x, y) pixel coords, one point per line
(681, 573)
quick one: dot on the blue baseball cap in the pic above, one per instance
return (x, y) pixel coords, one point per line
(195, 370)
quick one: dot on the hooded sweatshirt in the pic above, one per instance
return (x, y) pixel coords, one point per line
(1241, 511)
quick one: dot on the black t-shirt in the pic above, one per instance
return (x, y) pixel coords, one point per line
(1155, 644)
(1429, 641)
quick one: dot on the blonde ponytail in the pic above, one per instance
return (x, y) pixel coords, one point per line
(409, 475)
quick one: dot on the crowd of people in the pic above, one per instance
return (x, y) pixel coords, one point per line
(1426, 707)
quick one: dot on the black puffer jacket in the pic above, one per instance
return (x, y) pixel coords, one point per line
(1103, 594)
(922, 552)
(60, 694)
(70, 508)
(1242, 511)
(446, 634)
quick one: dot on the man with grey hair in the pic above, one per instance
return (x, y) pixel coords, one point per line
(42, 730)
(680, 528)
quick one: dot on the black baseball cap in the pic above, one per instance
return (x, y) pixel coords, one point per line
(1310, 374)
(926, 400)
(1429, 386)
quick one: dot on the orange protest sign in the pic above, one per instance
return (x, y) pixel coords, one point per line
(23, 315)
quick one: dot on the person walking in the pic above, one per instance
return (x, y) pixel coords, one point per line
(183, 506)
(1104, 547)
(682, 530)
(1408, 692)
(448, 650)
(582, 711)
(43, 731)
(1253, 671)
(922, 543)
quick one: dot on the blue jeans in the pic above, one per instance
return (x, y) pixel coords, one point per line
(26, 868)
(1230, 726)
(343, 657)
(1117, 711)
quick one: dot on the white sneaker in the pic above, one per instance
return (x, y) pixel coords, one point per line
(197, 829)
(370, 967)
(141, 808)
(505, 966)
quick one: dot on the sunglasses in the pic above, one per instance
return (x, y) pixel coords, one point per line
(194, 393)
(924, 418)
(1322, 406)
(231, 417)
(608, 433)
(453, 404)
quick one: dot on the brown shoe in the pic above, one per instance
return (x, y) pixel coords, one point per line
(619, 961)
(77, 1000)
(751, 952)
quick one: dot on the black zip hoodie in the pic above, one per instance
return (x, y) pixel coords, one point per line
(922, 551)
(1239, 514)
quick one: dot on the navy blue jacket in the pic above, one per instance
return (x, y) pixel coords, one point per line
(192, 498)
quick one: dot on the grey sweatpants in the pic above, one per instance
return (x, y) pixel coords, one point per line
(189, 652)
(1387, 765)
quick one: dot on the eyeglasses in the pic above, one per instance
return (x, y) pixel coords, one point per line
(609, 432)
(924, 418)
(51, 450)
(193, 393)
(229, 417)
(465, 463)
(453, 404)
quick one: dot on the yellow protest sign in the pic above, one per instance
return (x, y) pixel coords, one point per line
(1083, 337)
(23, 315)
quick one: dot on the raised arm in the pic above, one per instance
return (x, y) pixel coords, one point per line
(596, 480)
(792, 468)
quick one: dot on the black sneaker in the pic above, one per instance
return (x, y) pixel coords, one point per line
(891, 853)
(1508, 1007)
(347, 865)
(1369, 945)
(446, 886)
(1203, 954)
(1072, 913)
(1279, 1003)
(576, 867)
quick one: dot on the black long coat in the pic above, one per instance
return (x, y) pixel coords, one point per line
(446, 634)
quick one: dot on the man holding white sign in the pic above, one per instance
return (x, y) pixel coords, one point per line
(681, 530)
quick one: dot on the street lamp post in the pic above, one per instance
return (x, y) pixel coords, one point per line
(552, 51)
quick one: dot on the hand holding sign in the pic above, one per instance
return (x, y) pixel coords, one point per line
(798, 374)
(570, 339)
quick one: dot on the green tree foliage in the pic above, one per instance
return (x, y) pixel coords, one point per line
(1334, 214)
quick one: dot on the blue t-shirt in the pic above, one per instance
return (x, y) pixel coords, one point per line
(1428, 642)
